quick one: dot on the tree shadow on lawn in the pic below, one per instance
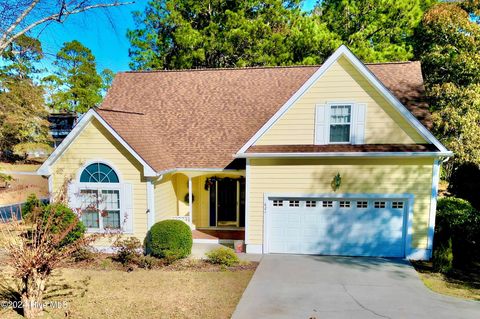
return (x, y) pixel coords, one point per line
(468, 277)
(58, 290)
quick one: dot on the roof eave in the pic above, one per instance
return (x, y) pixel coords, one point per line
(439, 154)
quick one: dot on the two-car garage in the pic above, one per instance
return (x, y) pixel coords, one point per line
(362, 226)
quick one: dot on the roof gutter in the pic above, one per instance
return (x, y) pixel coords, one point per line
(344, 154)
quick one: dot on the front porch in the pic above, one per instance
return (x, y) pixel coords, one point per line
(211, 203)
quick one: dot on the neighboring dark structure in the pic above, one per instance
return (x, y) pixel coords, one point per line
(60, 125)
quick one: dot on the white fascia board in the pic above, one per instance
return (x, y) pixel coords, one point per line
(148, 171)
(212, 170)
(344, 51)
(345, 154)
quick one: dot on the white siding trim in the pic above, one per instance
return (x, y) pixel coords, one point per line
(433, 205)
(45, 169)
(254, 249)
(150, 203)
(247, 200)
(345, 52)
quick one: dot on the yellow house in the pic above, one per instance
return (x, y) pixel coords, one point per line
(334, 159)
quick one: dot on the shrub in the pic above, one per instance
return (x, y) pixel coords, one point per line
(128, 251)
(65, 219)
(169, 239)
(223, 256)
(457, 229)
(83, 254)
(443, 258)
(149, 262)
(30, 205)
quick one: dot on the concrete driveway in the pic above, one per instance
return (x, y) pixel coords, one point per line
(318, 287)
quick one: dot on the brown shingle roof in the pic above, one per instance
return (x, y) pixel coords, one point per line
(200, 118)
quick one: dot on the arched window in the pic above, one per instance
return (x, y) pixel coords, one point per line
(100, 197)
(98, 173)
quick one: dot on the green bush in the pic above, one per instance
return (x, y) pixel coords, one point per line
(443, 258)
(128, 251)
(223, 256)
(30, 205)
(169, 239)
(64, 218)
(457, 228)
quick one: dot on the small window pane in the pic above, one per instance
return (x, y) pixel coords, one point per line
(397, 204)
(278, 203)
(294, 203)
(339, 133)
(379, 204)
(111, 219)
(327, 203)
(311, 203)
(110, 200)
(344, 204)
(90, 218)
(362, 204)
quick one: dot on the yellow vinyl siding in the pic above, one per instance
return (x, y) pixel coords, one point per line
(314, 176)
(341, 83)
(165, 198)
(96, 143)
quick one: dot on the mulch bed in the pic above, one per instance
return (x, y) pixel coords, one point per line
(103, 261)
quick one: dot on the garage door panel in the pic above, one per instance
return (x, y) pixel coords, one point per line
(342, 229)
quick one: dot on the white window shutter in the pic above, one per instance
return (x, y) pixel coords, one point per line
(321, 127)
(73, 196)
(127, 199)
(359, 116)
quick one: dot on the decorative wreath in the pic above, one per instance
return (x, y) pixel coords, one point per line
(186, 198)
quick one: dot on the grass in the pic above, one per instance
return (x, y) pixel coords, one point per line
(91, 293)
(21, 187)
(19, 167)
(460, 283)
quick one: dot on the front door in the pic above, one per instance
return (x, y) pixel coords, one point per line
(227, 202)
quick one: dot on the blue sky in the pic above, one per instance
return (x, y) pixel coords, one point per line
(103, 31)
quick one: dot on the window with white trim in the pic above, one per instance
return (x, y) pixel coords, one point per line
(310, 203)
(379, 204)
(344, 204)
(278, 203)
(362, 204)
(327, 203)
(99, 191)
(340, 123)
(294, 203)
(397, 204)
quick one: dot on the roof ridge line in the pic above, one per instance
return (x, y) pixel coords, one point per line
(253, 67)
(120, 111)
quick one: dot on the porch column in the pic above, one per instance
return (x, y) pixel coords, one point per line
(190, 199)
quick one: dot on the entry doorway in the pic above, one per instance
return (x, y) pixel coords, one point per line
(227, 202)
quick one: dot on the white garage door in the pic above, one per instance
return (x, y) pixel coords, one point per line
(350, 227)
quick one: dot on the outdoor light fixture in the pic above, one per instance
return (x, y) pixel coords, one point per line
(336, 182)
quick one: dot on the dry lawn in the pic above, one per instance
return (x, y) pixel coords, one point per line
(142, 293)
(21, 187)
(463, 284)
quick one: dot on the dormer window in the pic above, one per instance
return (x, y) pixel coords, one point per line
(340, 123)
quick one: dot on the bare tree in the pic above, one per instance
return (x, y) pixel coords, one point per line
(41, 242)
(21, 16)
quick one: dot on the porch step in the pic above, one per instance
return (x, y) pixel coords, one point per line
(201, 237)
